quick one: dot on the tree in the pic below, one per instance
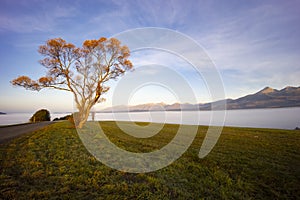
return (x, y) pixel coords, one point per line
(84, 71)
(40, 115)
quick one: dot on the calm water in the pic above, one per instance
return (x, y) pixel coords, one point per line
(17, 118)
(281, 118)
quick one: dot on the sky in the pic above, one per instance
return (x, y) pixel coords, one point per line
(253, 44)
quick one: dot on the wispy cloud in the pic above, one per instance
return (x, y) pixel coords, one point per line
(259, 43)
(253, 43)
(23, 17)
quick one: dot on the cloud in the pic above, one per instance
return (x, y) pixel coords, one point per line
(31, 16)
(256, 33)
(120, 16)
(259, 43)
(253, 43)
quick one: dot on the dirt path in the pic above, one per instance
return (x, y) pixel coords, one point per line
(9, 132)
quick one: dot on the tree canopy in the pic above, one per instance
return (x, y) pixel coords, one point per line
(84, 71)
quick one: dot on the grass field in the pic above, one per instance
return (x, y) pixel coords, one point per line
(52, 163)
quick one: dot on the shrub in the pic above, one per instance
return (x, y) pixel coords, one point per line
(41, 115)
(62, 118)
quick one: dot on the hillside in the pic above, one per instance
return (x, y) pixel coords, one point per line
(265, 98)
(268, 98)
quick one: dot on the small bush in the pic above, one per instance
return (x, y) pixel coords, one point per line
(41, 115)
(62, 118)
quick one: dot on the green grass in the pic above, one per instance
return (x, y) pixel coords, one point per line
(246, 163)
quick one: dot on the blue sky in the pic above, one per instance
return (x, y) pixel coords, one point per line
(252, 43)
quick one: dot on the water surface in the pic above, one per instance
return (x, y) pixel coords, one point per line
(281, 118)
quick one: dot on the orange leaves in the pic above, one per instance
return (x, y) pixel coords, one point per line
(58, 54)
(125, 51)
(48, 62)
(90, 44)
(21, 79)
(102, 39)
(105, 45)
(43, 49)
(114, 42)
(128, 64)
(68, 46)
(80, 69)
(56, 42)
(52, 45)
(26, 82)
(55, 45)
(45, 80)
(107, 56)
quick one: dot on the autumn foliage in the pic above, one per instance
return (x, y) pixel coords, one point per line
(84, 71)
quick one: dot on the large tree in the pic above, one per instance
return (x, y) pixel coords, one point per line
(84, 71)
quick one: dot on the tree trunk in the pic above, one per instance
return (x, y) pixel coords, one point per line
(80, 124)
(83, 117)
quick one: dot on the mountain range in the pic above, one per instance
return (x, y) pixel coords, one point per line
(265, 98)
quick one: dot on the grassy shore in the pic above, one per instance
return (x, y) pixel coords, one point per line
(246, 163)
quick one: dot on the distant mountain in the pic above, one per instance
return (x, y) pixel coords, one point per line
(265, 98)
(151, 107)
(268, 98)
(2, 113)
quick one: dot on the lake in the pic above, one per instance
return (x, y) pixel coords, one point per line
(279, 118)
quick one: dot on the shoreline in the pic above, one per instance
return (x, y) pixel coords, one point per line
(205, 125)
(136, 122)
(278, 118)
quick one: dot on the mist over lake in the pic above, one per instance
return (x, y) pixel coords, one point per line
(279, 118)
